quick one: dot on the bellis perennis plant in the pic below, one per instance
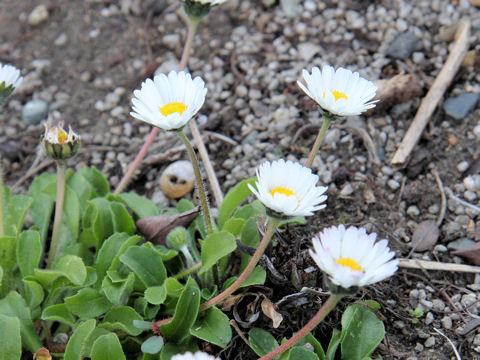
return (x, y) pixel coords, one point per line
(9, 80)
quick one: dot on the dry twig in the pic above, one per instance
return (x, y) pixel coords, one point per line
(431, 100)
(433, 265)
(443, 206)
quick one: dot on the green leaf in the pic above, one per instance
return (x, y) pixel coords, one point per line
(214, 328)
(234, 198)
(97, 179)
(262, 342)
(14, 305)
(156, 295)
(140, 205)
(185, 313)
(60, 313)
(249, 237)
(333, 344)
(107, 347)
(42, 205)
(147, 265)
(170, 350)
(122, 318)
(299, 352)
(109, 250)
(234, 226)
(83, 188)
(152, 345)
(87, 303)
(29, 251)
(10, 341)
(119, 292)
(17, 207)
(257, 277)
(317, 347)
(7, 253)
(73, 269)
(358, 322)
(142, 325)
(216, 246)
(121, 219)
(77, 343)
(33, 293)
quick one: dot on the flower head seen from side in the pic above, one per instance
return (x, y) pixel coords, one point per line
(196, 9)
(58, 144)
(169, 102)
(197, 356)
(9, 81)
(351, 257)
(339, 92)
(288, 189)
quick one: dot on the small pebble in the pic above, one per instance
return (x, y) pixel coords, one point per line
(446, 322)
(462, 166)
(430, 342)
(470, 195)
(429, 318)
(38, 15)
(459, 106)
(34, 112)
(393, 184)
(413, 211)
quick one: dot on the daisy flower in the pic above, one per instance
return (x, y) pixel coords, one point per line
(288, 188)
(339, 92)
(197, 356)
(169, 102)
(351, 257)
(9, 81)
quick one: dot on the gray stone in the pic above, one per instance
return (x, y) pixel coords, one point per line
(461, 244)
(404, 45)
(34, 112)
(459, 106)
(446, 322)
(38, 15)
(430, 342)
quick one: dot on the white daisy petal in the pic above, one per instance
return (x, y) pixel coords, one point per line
(199, 355)
(288, 188)
(169, 101)
(350, 257)
(339, 92)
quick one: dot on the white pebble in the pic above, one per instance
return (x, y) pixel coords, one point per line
(462, 166)
(393, 184)
(413, 211)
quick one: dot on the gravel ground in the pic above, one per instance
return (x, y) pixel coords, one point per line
(82, 60)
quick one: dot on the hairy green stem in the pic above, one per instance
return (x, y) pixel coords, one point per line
(198, 177)
(319, 316)
(190, 270)
(61, 168)
(192, 27)
(327, 119)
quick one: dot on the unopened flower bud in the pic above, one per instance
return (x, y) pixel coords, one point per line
(9, 80)
(58, 144)
(196, 9)
(178, 238)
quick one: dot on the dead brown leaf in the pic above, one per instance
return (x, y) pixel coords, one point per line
(472, 254)
(268, 309)
(425, 236)
(156, 228)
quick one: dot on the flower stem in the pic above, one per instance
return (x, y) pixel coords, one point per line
(248, 270)
(319, 316)
(2, 203)
(327, 119)
(199, 181)
(61, 168)
(192, 27)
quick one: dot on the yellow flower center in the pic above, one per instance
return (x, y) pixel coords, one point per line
(352, 264)
(173, 108)
(337, 94)
(62, 136)
(282, 190)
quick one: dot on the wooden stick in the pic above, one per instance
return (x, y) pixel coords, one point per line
(212, 178)
(431, 100)
(434, 265)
